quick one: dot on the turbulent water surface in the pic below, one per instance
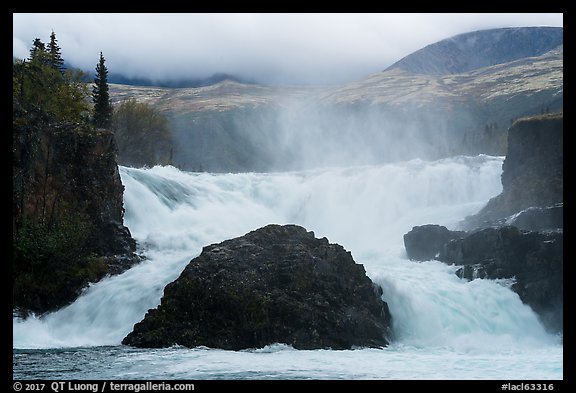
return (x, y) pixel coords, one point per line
(445, 327)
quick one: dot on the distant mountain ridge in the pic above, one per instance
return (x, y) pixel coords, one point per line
(388, 116)
(469, 51)
(176, 83)
(122, 79)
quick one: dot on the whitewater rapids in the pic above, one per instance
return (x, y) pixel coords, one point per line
(172, 214)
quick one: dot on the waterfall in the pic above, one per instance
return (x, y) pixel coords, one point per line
(367, 209)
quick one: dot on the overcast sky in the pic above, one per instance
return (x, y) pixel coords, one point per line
(270, 48)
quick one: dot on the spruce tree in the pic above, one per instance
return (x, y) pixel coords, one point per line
(37, 82)
(38, 52)
(100, 96)
(55, 57)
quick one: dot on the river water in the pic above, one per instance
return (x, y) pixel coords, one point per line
(445, 327)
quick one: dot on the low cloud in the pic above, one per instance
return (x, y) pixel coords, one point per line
(269, 48)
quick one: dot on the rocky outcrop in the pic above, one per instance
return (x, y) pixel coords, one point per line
(539, 218)
(425, 242)
(277, 284)
(82, 169)
(533, 259)
(519, 233)
(532, 172)
(67, 210)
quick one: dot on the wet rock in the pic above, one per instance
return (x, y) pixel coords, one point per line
(533, 259)
(277, 284)
(425, 242)
(532, 172)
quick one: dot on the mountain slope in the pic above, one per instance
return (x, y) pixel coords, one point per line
(221, 96)
(522, 77)
(470, 51)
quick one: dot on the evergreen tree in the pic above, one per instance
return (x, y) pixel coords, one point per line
(40, 83)
(101, 97)
(38, 80)
(38, 52)
(54, 55)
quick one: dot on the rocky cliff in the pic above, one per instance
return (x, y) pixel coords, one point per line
(519, 233)
(277, 284)
(67, 210)
(532, 173)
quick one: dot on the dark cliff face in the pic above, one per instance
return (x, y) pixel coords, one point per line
(67, 210)
(532, 173)
(519, 233)
(277, 284)
(533, 169)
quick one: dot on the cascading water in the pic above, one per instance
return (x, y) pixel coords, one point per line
(173, 214)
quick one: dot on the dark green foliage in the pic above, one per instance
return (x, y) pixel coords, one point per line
(101, 96)
(41, 82)
(142, 135)
(50, 258)
(38, 52)
(50, 262)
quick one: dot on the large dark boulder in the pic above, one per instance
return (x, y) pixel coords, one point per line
(277, 284)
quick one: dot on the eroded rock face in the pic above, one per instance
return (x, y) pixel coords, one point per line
(277, 284)
(67, 197)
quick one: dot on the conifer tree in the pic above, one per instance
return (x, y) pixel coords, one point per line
(38, 52)
(54, 55)
(100, 96)
(38, 82)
